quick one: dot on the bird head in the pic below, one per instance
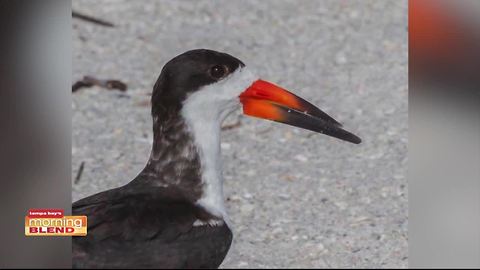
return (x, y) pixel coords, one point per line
(206, 85)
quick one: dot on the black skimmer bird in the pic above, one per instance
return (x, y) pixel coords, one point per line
(172, 215)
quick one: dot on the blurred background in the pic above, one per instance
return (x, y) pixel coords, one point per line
(296, 199)
(444, 133)
(35, 122)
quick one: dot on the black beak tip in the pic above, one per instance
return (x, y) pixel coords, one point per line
(347, 136)
(356, 140)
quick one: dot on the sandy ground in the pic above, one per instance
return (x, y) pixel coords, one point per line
(296, 199)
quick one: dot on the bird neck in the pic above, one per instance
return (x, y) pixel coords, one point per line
(204, 123)
(186, 156)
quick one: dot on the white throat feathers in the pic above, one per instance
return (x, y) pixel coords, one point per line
(204, 111)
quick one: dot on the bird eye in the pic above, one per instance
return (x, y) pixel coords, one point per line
(218, 71)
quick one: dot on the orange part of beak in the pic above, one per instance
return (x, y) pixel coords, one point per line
(254, 98)
(260, 108)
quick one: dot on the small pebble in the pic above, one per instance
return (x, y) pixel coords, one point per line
(301, 158)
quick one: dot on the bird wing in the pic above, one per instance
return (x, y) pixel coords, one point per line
(125, 226)
(119, 212)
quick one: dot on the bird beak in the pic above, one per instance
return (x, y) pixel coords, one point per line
(266, 100)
